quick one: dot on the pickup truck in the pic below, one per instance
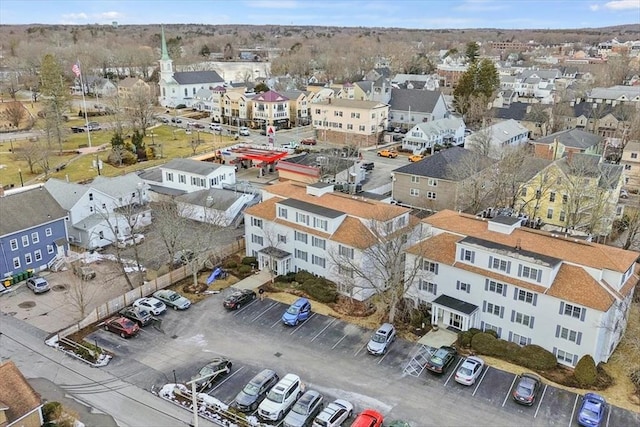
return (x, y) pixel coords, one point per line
(388, 153)
(292, 145)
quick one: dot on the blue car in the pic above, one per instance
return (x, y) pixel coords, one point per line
(592, 410)
(298, 312)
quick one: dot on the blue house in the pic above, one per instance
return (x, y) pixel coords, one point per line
(33, 232)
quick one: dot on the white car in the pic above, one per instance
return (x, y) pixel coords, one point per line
(280, 398)
(334, 414)
(124, 242)
(215, 127)
(469, 371)
(172, 299)
(153, 305)
(244, 131)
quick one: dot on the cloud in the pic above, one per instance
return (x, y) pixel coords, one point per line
(108, 15)
(594, 7)
(622, 5)
(73, 17)
(83, 18)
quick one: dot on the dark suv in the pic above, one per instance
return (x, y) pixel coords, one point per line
(255, 391)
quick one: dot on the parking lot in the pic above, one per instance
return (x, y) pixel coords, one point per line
(318, 350)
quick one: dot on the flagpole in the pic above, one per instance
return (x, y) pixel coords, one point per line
(84, 107)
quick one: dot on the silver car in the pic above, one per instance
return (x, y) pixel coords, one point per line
(172, 299)
(37, 284)
(382, 339)
(304, 410)
(469, 371)
(153, 305)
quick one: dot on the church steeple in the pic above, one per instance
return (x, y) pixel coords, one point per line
(165, 53)
(166, 64)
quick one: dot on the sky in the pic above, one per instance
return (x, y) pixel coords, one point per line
(415, 14)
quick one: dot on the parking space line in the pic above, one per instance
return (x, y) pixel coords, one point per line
(359, 350)
(481, 378)
(573, 411)
(324, 329)
(608, 414)
(302, 324)
(339, 341)
(453, 372)
(275, 323)
(535, 414)
(515, 377)
(237, 312)
(264, 311)
(225, 380)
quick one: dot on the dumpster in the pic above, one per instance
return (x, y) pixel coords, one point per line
(30, 273)
(22, 276)
(7, 281)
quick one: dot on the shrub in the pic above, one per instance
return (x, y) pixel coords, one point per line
(287, 278)
(464, 339)
(484, 343)
(536, 358)
(585, 371)
(248, 260)
(320, 290)
(511, 351)
(303, 275)
(244, 269)
(635, 378)
(492, 332)
(474, 331)
(51, 411)
(230, 264)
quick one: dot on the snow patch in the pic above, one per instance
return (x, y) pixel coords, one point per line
(197, 340)
(357, 400)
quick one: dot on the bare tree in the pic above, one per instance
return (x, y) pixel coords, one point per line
(473, 173)
(29, 151)
(379, 263)
(139, 107)
(15, 113)
(80, 295)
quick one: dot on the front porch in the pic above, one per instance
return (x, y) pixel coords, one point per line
(454, 314)
(277, 260)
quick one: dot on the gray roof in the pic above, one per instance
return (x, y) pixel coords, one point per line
(440, 165)
(27, 209)
(543, 74)
(421, 101)
(515, 111)
(153, 174)
(117, 186)
(575, 138)
(451, 124)
(455, 304)
(196, 167)
(89, 222)
(310, 207)
(292, 94)
(197, 77)
(510, 250)
(214, 198)
(581, 164)
(615, 92)
(500, 132)
(66, 193)
(365, 85)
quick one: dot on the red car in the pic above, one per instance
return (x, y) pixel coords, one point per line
(308, 141)
(368, 418)
(122, 326)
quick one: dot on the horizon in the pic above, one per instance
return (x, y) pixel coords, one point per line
(401, 14)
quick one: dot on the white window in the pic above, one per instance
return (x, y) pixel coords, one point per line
(169, 176)
(496, 287)
(549, 213)
(345, 271)
(415, 179)
(14, 244)
(16, 262)
(320, 223)
(490, 327)
(499, 264)
(256, 222)
(282, 212)
(521, 318)
(520, 340)
(182, 179)
(430, 266)
(35, 238)
(302, 218)
(531, 273)
(431, 195)
(28, 259)
(428, 287)
(48, 232)
(316, 260)
(467, 255)
(25, 241)
(38, 255)
(300, 237)
(345, 251)
(301, 254)
(493, 309)
(525, 296)
(318, 243)
(572, 310)
(433, 182)
(282, 238)
(414, 192)
(465, 287)
(257, 239)
(568, 334)
(564, 356)
(50, 249)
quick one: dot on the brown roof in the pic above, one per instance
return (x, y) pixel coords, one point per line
(568, 249)
(574, 284)
(16, 392)
(441, 248)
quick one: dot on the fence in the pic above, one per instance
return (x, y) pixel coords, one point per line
(116, 304)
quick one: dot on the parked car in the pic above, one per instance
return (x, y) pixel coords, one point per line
(210, 372)
(126, 241)
(526, 390)
(172, 299)
(238, 299)
(280, 398)
(84, 272)
(624, 194)
(397, 129)
(441, 359)
(153, 305)
(368, 166)
(592, 410)
(397, 138)
(334, 414)
(469, 371)
(176, 120)
(139, 315)
(297, 312)
(92, 126)
(368, 418)
(291, 145)
(309, 141)
(164, 120)
(416, 158)
(122, 326)
(382, 339)
(215, 127)
(38, 284)
(255, 391)
(387, 153)
(182, 257)
(304, 410)
(244, 131)
(198, 125)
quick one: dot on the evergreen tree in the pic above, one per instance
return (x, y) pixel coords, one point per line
(472, 52)
(56, 97)
(478, 84)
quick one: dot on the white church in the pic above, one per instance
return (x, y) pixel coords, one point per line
(181, 87)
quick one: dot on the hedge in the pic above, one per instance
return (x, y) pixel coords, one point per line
(320, 290)
(530, 356)
(586, 372)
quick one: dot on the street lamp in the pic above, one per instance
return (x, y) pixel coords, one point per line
(21, 181)
(194, 399)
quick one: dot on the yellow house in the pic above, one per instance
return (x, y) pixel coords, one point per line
(236, 108)
(577, 193)
(270, 108)
(298, 107)
(346, 121)
(131, 85)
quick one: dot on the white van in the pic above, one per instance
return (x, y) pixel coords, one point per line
(280, 398)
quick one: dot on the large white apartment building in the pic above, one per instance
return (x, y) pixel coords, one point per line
(309, 227)
(569, 296)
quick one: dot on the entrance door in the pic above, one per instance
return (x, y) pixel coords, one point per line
(456, 321)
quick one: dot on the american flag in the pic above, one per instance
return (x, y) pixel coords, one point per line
(76, 69)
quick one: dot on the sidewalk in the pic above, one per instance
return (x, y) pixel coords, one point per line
(254, 281)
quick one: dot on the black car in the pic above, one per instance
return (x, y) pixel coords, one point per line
(139, 315)
(368, 166)
(239, 298)
(255, 391)
(213, 370)
(526, 390)
(441, 359)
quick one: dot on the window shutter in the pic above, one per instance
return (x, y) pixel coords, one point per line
(555, 351)
(486, 284)
(557, 331)
(501, 312)
(575, 359)
(484, 306)
(481, 325)
(583, 313)
(490, 261)
(515, 293)
(473, 257)
(436, 272)
(435, 289)
(519, 270)
(504, 290)
(510, 335)
(508, 267)
(539, 278)
(458, 285)
(513, 315)
(579, 338)
(462, 254)
(561, 307)
(499, 332)
(528, 341)
(468, 288)
(531, 323)
(535, 299)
